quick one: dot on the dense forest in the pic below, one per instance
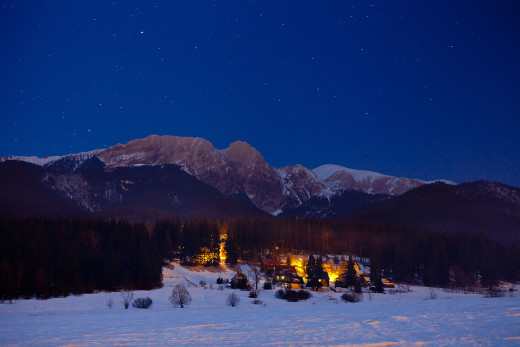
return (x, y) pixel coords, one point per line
(44, 258)
(401, 254)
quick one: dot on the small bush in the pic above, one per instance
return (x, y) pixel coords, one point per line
(268, 286)
(220, 280)
(142, 303)
(233, 300)
(202, 283)
(292, 295)
(304, 294)
(352, 297)
(280, 294)
(110, 303)
(220, 287)
(253, 294)
(433, 294)
(494, 293)
(403, 288)
(127, 296)
(257, 302)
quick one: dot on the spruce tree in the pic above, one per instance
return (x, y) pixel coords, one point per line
(231, 249)
(350, 277)
(314, 271)
(375, 277)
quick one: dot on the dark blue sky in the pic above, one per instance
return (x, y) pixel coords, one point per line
(408, 88)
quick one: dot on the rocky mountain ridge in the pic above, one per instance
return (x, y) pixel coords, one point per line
(239, 170)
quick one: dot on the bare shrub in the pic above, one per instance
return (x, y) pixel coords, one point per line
(494, 292)
(352, 297)
(180, 296)
(331, 297)
(257, 302)
(202, 283)
(142, 302)
(403, 288)
(255, 274)
(433, 294)
(110, 302)
(512, 291)
(233, 300)
(253, 293)
(127, 296)
(220, 287)
(370, 296)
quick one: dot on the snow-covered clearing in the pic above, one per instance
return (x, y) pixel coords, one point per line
(400, 319)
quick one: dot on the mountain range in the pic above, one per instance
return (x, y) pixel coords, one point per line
(164, 176)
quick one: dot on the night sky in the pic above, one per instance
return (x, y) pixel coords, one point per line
(408, 88)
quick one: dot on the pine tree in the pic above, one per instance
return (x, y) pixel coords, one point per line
(314, 271)
(231, 249)
(375, 277)
(357, 287)
(351, 272)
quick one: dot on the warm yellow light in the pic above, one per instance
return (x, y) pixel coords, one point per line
(298, 263)
(222, 253)
(333, 270)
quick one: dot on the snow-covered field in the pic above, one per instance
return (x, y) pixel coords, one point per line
(401, 319)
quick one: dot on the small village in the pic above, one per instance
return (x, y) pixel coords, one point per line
(293, 273)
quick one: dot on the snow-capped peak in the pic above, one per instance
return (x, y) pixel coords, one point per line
(325, 171)
(33, 159)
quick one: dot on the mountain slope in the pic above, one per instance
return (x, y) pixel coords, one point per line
(478, 207)
(139, 193)
(339, 177)
(24, 194)
(341, 204)
(239, 167)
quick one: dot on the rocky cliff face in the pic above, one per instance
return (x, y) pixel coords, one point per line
(237, 168)
(255, 177)
(300, 184)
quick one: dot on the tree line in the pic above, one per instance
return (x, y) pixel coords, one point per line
(401, 254)
(43, 257)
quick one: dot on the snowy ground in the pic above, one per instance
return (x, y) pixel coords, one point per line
(400, 319)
